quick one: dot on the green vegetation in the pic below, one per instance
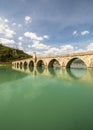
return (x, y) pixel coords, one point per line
(7, 55)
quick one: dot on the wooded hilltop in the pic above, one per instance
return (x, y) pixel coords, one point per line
(8, 54)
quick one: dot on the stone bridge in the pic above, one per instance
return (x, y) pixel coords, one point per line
(64, 60)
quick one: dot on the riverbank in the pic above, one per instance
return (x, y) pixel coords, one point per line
(5, 64)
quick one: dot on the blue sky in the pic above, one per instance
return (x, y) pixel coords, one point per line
(48, 27)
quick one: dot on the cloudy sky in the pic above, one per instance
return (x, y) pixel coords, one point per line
(47, 26)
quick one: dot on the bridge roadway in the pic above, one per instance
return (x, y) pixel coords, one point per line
(64, 60)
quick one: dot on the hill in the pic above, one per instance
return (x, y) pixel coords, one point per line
(7, 54)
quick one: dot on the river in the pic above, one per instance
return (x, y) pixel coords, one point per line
(46, 99)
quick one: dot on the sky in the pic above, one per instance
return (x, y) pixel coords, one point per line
(47, 27)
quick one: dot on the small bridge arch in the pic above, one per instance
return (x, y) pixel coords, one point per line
(15, 65)
(18, 64)
(21, 64)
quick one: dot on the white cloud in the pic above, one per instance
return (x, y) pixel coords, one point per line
(45, 50)
(19, 25)
(28, 19)
(85, 32)
(29, 53)
(75, 33)
(36, 42)
(13, 24)
(9, 33)
(19, 46)
(38, 45)
(56, 51)
(79, 50)
(6, 41)
(5, 29)
(6, 20)
(90, 47)
(29, 46)
(46, 36)
(20, 38)
(33, 36)
(52, 51)
(67, 48)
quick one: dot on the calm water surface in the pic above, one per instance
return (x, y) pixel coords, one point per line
(41, 99)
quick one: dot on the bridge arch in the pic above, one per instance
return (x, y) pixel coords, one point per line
(54, 63)
(21, 64)
(18, 64)
(31, 63)
(40, 63)
(77, 61)
(91, 62)
(25, 65)
(15, 64)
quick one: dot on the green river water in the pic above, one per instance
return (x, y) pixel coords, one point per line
(42, 99)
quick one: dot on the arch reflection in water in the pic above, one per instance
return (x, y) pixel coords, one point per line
(40, 69)
(77, 73)
(76, 63)
(54, 71)
(31, 69)
(64, 74)
(54, 64)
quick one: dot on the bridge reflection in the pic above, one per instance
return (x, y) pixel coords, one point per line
(84, 75)
(76, 73)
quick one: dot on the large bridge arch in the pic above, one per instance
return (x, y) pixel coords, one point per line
(53, 62)
(68, 61)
